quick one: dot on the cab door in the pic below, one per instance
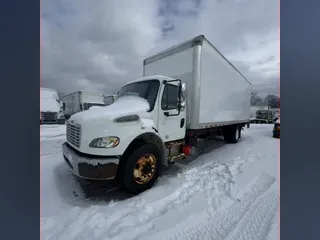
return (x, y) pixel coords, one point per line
(172, 120)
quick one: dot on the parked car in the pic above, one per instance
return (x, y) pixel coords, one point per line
(276, 129)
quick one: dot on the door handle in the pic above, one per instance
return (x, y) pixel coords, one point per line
(182, 121)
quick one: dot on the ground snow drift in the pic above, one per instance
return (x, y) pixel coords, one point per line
(230, 192)
(243, 220)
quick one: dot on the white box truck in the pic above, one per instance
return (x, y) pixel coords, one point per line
(51, 108)
(157, 119)
(80, 101)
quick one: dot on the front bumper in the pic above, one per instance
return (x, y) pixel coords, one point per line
(56, 121)
(90, 167)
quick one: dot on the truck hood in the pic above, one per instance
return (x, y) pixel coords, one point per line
(123, 106)
(49, 104)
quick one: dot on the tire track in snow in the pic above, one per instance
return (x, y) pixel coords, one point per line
(256, 222)
(213, 180)
(275, 227)
(217, 226)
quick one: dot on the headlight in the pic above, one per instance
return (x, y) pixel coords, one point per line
(105, 142)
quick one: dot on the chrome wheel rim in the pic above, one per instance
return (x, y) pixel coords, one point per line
(145, 168)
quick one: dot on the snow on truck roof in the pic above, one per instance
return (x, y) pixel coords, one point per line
(48, 93)
(47, 89)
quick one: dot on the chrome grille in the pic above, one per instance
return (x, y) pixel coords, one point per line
(74, 134)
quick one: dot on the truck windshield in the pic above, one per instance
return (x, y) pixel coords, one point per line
(145, 89)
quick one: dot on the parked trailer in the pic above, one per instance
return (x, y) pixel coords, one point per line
(51, 108)
(80, 101)
(193, 92)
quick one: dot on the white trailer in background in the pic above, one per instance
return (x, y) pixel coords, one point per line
(188, 92)
(80, 101)
(51, 108)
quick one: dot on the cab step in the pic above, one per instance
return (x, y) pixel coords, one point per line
(173, 159)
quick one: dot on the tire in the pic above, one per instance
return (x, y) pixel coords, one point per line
(130, 182)
(232, 134)
(276, 135)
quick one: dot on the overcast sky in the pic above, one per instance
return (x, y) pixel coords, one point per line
(98, 45)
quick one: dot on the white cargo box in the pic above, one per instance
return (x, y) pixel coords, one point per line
(217, 93)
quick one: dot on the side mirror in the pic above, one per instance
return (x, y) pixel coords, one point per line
(183, 90)
(183, 105)
(182, 95)
(64, 106)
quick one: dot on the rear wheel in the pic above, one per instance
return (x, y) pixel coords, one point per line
(232, 134)
(142, 168)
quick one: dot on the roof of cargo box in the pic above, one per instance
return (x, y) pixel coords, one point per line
(186, 45)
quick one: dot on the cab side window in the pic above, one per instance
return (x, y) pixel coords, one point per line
(170, 97)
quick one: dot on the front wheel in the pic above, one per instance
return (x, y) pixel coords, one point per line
(142, 168)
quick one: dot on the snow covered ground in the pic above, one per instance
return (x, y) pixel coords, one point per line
(229, 192)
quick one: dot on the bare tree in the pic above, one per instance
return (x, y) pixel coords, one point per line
(272, 101)
(256, 100)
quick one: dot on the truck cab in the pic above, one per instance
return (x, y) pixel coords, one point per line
(165, 97)
(51, 108)
(147, 114)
